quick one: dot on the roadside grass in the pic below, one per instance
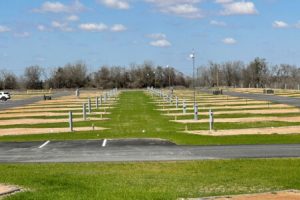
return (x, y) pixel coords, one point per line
(135, 116)
(151, 180)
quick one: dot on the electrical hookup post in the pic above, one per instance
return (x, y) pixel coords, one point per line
(211, 120)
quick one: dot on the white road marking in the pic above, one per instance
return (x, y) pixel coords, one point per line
(43, 145)
(104, 142)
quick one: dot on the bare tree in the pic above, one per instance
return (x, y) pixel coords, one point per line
(8, 80)
(32, 77)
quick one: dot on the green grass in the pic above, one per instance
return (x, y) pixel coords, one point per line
(150, 180)
(136, 112)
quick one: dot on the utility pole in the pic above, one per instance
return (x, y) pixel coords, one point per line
(194, 87)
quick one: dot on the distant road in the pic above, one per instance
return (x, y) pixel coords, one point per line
(133, 150)
(264, 97)
(11, 104)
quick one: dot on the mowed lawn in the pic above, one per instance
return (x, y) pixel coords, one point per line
(136, 116)
(150, 180)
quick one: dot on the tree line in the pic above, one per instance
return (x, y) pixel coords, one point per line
(77, 76)
(258, 73)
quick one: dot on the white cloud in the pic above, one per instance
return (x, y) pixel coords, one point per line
(41, 27)
(217, 23)
(4, 29)
(118, 28)
(160, 43)
(159, 40)
(61, 26)
(280, 24)
(229, 41)
(117, 4)
(22, 35)
(72, 18)
(58, 7)
(239, 8)
(93, 27)
(182, 8)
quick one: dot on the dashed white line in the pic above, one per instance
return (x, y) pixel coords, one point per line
(104, 142)
(43, 145)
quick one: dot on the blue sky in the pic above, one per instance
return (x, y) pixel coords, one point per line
(121, 32)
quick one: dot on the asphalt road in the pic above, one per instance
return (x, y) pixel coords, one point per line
(11, 104)
(133, 150)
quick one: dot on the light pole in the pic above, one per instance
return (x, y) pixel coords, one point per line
(148, 80)
(195, 104)
(168, 67)
(154, 79)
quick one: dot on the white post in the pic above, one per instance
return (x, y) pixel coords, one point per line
(84, 111)
(184, 107)
(97, 103)
(71, 121)
(195, 111)
(77, 93)
(211, 120)
(89, 105)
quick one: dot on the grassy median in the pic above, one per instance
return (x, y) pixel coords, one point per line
(151, 180)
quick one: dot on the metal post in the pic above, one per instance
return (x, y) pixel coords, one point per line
(194, 87)
(196, 111)
(89, 105)
(154, 79)
(184, 107)
(71, 121)
(176, 102)
(84, 111)
(77, 93)
(211, 120)
(97, 103)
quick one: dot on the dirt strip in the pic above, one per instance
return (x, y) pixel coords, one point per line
(43, 114)
(29, 131)
(43, 121)
(283, 195)
(45, 110)
(263, 111)
(8, 189)
(231, 107)
(251, 131)
(237, 120)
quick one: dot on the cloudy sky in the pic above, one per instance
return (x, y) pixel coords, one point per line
(120, 32)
